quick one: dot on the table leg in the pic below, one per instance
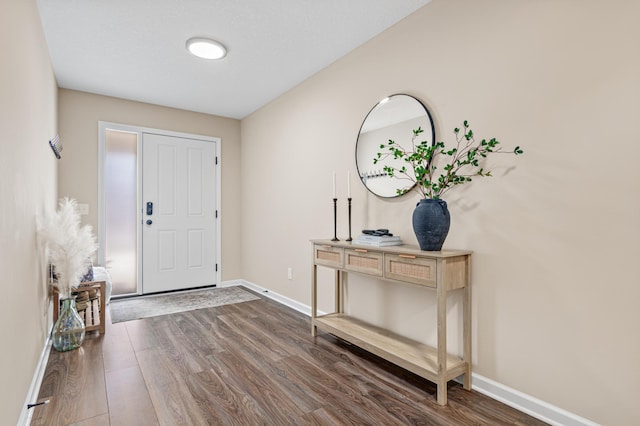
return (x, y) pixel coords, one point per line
(338, 292)
(466, 326)
(314, 300)
(441, 296)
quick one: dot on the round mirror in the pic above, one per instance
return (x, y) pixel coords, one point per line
(395, 118)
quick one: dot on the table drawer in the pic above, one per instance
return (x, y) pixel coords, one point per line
(364, 261)
(328, 256)
(410, 268)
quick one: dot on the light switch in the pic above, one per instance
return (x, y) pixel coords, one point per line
(83, 209)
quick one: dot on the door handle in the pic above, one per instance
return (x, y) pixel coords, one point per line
(149, 209)
(149, 222)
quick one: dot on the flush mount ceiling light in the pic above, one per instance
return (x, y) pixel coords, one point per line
(206, 48)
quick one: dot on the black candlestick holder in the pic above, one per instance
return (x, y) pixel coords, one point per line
(349, 203)
(335, 220)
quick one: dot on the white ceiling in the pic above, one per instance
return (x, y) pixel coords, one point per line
(135, 49)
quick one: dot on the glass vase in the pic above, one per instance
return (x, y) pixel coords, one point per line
(68, 331)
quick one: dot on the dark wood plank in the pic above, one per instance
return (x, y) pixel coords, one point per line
(117, 350)
(181, 356)
(74, 384)
(155, 367)
(199, 331)
(336, 393)
(222, 401)
(249, 363)
(129, 400)
(175, 405)
(101, 420)
(258, 387)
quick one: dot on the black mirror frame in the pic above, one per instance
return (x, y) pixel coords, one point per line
(433, 138)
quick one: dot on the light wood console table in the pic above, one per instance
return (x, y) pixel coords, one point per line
(442, 271)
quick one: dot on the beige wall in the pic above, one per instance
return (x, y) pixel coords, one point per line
(79, 115)
(555, 233)
(554, 237)
(27, 188)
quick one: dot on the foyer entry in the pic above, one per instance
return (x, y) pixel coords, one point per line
(158, 209)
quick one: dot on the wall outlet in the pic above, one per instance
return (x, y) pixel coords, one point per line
(290, 273)
(83, 209)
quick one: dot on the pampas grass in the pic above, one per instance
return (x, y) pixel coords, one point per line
(69, 245)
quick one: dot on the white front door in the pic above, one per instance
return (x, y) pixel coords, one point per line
(178, 213)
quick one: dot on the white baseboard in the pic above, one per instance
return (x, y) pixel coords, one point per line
(229, 283)
(520, 401)
(36, 381)
(527, 404)
(295, 305)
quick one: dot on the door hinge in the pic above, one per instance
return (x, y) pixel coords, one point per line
(216, 267)
(216, 160)
(216, 214)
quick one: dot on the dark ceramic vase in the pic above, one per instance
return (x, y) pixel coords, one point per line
(431, 223)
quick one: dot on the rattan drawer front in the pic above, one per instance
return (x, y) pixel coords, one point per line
(327, 255)
(364, 261)
(410, 268)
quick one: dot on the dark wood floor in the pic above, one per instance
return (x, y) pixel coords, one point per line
(252, 363)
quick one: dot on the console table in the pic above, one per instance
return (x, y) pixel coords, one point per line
(442, 271)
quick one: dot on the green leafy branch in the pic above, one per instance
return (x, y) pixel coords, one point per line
(461, 165)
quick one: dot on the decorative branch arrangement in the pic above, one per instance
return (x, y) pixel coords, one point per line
(462, 164)
(69, 246)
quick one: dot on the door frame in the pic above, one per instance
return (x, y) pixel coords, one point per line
(103, 126)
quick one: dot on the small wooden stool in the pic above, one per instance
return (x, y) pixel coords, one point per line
(93, 316)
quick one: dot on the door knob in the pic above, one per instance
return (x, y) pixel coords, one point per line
(149, 222)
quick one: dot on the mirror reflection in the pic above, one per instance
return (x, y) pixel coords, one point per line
(393, 118)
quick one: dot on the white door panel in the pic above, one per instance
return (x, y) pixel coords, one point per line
(179, 243)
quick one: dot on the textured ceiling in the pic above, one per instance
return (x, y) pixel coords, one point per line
(135, 49)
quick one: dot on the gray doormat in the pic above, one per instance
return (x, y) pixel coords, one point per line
(164, 304)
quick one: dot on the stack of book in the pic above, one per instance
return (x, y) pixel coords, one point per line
(378, 240)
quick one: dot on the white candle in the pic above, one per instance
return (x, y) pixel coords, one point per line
(348, 184)
(334, 184)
